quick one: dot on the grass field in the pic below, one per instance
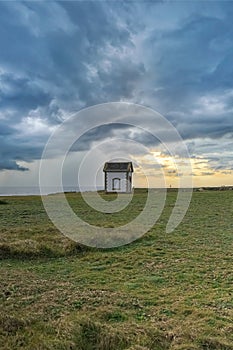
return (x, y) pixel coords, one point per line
(163, 291)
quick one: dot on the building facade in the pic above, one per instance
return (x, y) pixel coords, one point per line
(118, 177)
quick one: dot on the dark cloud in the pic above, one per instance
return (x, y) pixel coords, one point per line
(115, 131)
(11, 165)
(21, 93)
(58, 57)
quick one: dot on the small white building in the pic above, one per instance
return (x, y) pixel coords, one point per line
(118, 177)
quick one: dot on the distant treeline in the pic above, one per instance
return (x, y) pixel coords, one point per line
(217, 188)
(198, 189)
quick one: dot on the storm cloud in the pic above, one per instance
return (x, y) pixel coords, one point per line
(58, 57)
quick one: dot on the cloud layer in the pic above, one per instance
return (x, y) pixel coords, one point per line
(59, 57)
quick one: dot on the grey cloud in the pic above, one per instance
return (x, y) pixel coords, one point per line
(188, 63)
(5, 130)
(207, 173)
(44, 65)
(58, 57)
(6, 164)
(21, 93)
(98, 134)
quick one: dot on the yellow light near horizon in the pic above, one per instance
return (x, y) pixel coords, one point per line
(160, 170)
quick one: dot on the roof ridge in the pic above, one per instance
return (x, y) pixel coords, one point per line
(118, 166)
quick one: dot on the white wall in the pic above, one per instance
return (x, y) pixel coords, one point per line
(123, 182)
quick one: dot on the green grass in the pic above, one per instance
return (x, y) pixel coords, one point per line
(163, 291)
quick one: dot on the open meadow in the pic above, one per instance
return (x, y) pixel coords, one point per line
(163, 291)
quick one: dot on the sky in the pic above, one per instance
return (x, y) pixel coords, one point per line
(59, 57)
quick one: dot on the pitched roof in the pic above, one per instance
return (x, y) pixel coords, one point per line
(118, 166)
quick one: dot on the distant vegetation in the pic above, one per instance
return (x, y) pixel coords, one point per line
(164, 291)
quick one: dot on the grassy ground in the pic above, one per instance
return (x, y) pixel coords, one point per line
(164, 291)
